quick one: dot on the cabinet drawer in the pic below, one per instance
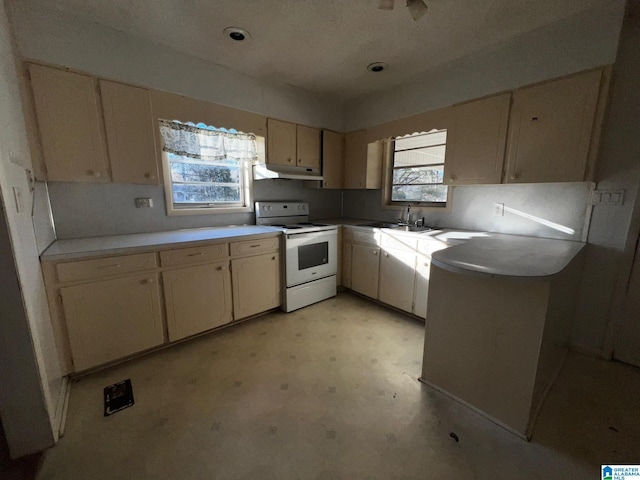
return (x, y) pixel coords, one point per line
(201, 254)
(254, 246)
(401, 242)
(363, 236)
(103, 267)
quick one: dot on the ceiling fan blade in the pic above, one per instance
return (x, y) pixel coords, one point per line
(417, 8)
(386, 4)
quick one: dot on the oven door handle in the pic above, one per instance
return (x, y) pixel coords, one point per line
(302, 236)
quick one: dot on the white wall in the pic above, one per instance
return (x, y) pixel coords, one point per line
(109, 209)
(563, 204)
(53, 37)
(30, 376)
(578, 43)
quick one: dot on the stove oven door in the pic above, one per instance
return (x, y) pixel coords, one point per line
(310, 256)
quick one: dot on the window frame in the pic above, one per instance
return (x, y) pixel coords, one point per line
(387, 187)
(246, 178)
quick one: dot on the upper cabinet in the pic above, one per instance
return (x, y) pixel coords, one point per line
(476, 141)
(362, 161)
(70, 124)
(332, 159)
(308, 146)
(550, 131)
(292, 145)
(130, 133)
(281, 142)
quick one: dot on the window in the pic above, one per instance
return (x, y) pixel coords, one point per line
(417, 169)
(206, 169)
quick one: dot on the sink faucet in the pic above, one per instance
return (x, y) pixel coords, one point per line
(407, 219)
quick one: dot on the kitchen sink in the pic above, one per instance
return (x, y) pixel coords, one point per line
(395, 226)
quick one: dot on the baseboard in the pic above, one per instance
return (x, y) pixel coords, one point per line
(476, 410)
(587, 350)
(60, 416)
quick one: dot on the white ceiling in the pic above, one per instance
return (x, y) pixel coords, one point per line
(324, 46)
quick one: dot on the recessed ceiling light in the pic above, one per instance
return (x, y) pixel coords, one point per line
(236, 33)
(377, 67)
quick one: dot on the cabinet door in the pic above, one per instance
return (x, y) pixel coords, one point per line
(476, 142)
(69, 120)
(397, 278)
(256, 284)
(281, 142)
(197, 299)
(423, 266)
(308, 146)
(355, 159)
(332, 159)
(346, 264)
(550, 130)
(365, 269)
(130, 138)
(111, 319)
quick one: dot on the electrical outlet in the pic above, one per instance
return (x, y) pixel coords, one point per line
(144, 203)
(498, 209)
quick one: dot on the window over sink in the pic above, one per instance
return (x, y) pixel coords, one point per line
(416, 174)
(207, 169)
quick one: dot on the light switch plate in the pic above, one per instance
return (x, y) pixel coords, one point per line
(607, 197)
(498, 209)
(144, 203)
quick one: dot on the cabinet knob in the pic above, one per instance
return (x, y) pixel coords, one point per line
(273, 258)
(221, 268)
(94, 173)
(515, 176)
(148, 175)
(452, 177)
(375, 252)
(299, 160)
(289, 160)
(147, 281)
(386, 254)
(325, 183)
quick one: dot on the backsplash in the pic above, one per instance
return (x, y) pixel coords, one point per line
(89, 210)
(551, 210)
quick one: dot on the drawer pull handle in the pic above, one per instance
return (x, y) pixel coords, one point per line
(254, 246)
(195, 254)
(117, 265)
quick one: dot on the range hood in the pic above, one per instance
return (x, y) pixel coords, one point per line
(263, 171)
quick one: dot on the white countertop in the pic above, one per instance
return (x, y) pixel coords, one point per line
(80, 247)
(508, 255)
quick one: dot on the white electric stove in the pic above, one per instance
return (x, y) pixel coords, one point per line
(311, 255)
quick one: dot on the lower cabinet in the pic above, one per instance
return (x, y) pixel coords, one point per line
(346, 263)
(110, 319)
(197, 299)
(256, 284)
(423, 266)
(365, 269)
(397, 278)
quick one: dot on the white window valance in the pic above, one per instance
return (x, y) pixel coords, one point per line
(207, 143)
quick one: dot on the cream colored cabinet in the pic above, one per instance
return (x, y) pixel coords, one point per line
(550, 130)
(197, 299)
(362, 162)
(347, 237)
(365, 268)
(308, 144)
(130, 133)
(476, 141)
(421, 292)
(111, 319)
(281, 142)
(397, 278)
(332, 159)
(70, 124)
(256, 284)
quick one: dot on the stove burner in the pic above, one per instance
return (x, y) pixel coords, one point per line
(281, 225)
(293, 227)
